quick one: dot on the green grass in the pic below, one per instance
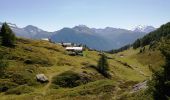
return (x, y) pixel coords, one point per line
(31, 57)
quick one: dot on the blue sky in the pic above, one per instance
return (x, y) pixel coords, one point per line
(53, 15)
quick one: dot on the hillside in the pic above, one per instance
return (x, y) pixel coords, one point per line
(154, 51)
(31, 57)
(153, 37)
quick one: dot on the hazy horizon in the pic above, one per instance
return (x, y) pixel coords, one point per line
(52, 15)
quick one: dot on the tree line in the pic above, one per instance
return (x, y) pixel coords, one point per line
(120, 49)
(153, 37)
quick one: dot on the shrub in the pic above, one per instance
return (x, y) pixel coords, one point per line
(70, 79)
(3, 65)
(28, 61)
(23, 78)
(5, 85)
(20, 90)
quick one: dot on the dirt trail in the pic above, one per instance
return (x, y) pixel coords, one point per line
(130, 66)
(46, 87)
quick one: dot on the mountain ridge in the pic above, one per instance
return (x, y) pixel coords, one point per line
(96, 38)
(144, 28)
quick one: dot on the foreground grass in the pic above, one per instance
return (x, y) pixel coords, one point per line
(102, 89)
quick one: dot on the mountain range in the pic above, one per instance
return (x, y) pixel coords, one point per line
(100, 39)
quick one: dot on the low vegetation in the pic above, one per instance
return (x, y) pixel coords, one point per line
(3, 65)
(23, 89)
(70, 79)
(5, 85)
(80, 70)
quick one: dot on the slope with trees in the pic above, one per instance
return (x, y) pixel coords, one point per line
(159, 86)
(153, 37)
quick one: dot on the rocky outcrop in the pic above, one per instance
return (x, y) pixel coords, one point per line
(41, 78)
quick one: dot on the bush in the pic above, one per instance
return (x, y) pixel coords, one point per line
(3, 65)
(28, 61)
(20, 90)
(24, 78)
(5, 85)
(70, 79)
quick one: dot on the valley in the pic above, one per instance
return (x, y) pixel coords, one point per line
(84, 50)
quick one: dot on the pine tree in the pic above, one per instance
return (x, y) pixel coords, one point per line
(103, 66)
(7, 36)
(136, 44)
(159, 86)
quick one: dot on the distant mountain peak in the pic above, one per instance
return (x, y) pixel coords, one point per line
(144, 28)
(110, 28)
(80, 27)
(32, 28)
(83, 26)
(83, 29)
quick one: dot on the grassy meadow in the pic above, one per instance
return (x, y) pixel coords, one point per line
(31, 57)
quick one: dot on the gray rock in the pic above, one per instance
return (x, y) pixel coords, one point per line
(139, 86)
(41, 78)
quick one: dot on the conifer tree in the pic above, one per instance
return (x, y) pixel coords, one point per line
(160, 83)
(136, 44)
(7, 36)
(103, 66)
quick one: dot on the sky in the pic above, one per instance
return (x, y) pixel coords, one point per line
(52, 15)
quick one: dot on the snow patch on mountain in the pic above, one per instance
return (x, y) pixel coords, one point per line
(144, 28)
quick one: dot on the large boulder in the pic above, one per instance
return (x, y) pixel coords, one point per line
(41, 78)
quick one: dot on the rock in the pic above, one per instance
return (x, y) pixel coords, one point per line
(139, 86)
(41, 78)
(84, 67)
(28, 49)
